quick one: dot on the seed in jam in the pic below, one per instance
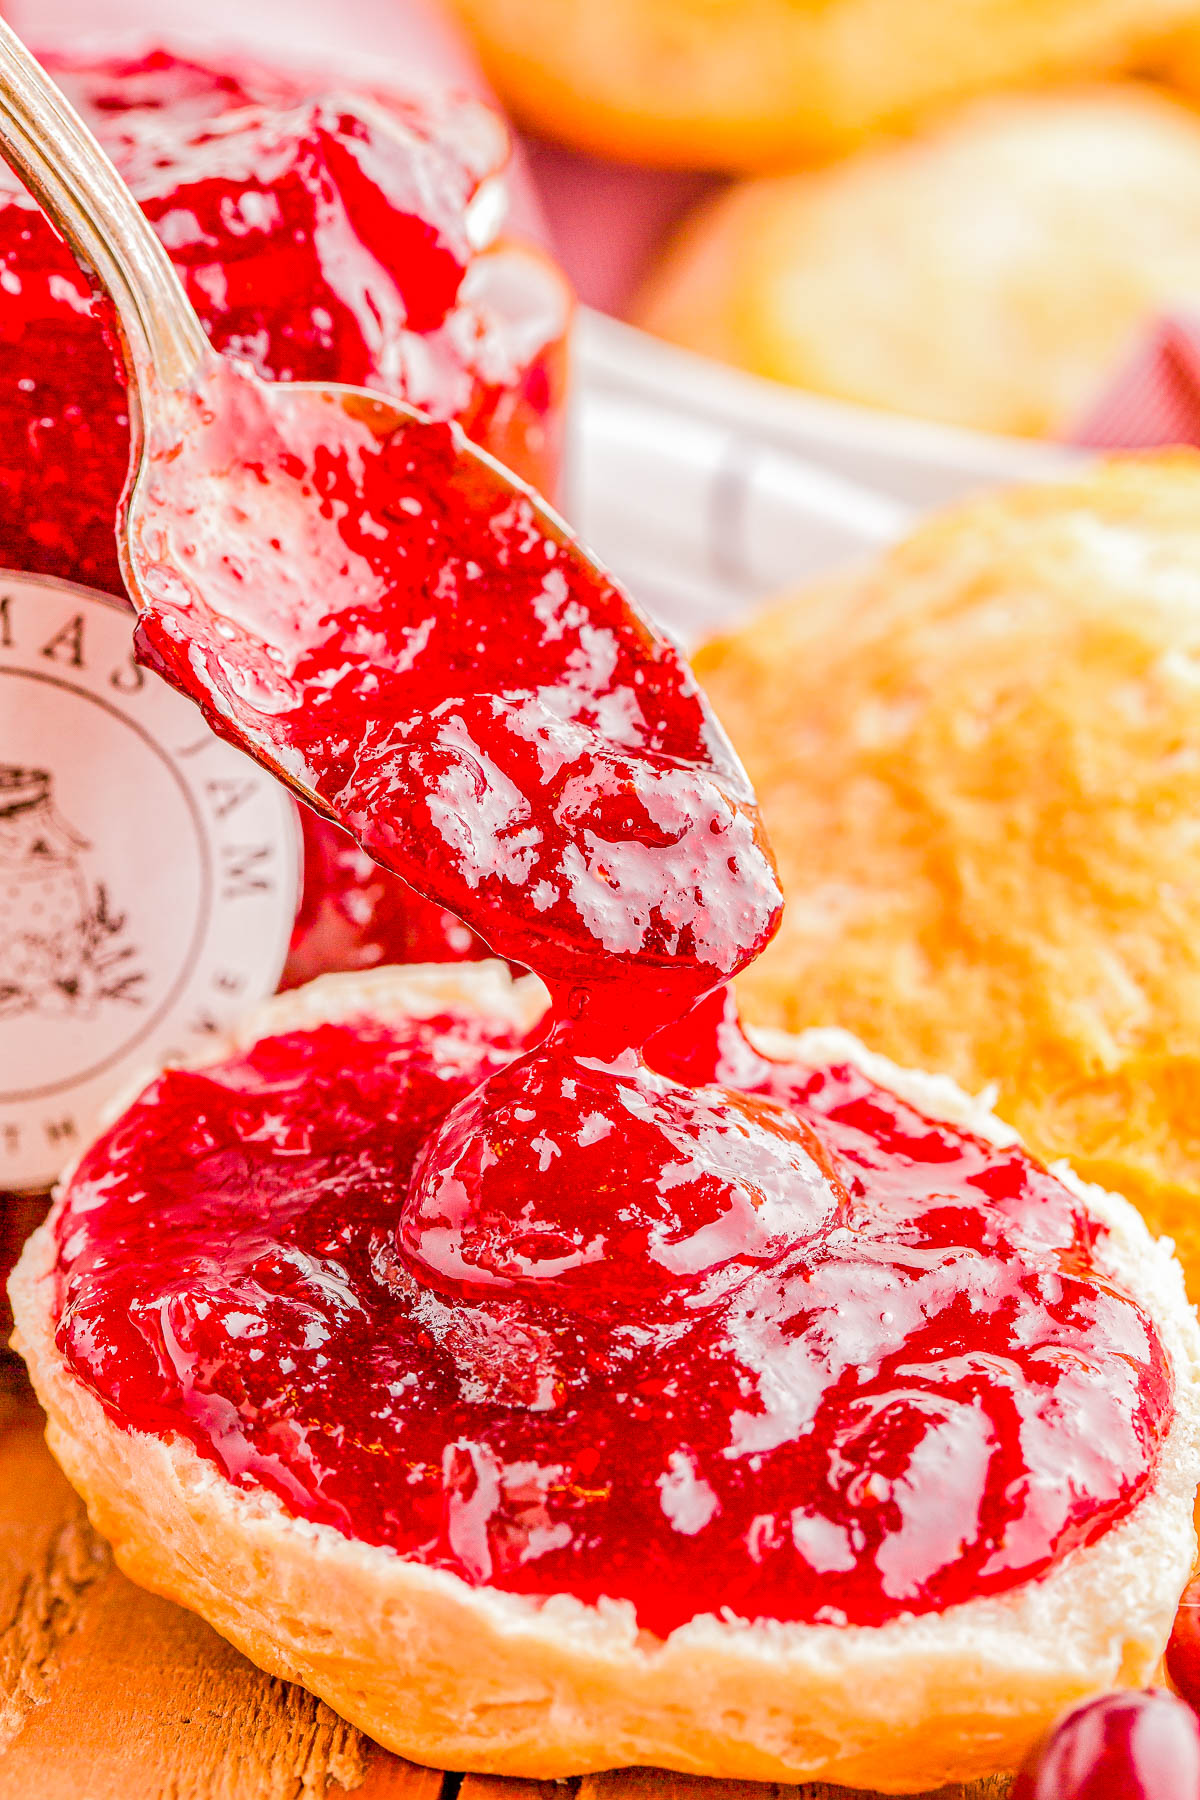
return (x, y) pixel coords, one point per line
(1136, 1746)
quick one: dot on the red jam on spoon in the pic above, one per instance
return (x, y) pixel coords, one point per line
(421, 648)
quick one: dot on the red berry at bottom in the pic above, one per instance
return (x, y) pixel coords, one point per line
(1183, 1651)
(1131, 1746)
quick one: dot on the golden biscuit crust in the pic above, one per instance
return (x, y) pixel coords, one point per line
(995, 273)
(979, 763)
(756, 84)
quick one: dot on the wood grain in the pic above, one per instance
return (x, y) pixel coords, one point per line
(49, 1560)
(108, 1693)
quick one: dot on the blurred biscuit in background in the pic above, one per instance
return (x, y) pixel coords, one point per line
(991, 274)
(979, 764)
(1178, 59)
(754, 84)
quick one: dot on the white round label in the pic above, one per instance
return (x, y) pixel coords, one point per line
(149, 873)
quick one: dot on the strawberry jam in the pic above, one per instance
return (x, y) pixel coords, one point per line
(621, 1309)
(319, 239)
(902, 1387)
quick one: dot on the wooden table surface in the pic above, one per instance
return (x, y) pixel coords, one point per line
(108, 1693)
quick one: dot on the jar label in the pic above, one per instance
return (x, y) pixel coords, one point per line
(149, 873)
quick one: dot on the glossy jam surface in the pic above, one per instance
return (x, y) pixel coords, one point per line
(1139, 1746)
(899, 1385)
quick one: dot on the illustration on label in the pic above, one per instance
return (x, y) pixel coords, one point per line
(149, 874)
(62, 948)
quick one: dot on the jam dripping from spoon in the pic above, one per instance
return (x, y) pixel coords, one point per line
(408, 637)
(657, 1284)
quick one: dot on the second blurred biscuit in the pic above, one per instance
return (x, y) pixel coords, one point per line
(992, 274)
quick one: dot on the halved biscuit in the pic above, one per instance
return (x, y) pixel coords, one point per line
(467, 1676)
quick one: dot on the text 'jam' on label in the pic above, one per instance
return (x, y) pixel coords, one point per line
(149, 873)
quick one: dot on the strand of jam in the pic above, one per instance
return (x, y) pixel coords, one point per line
(929, 1397)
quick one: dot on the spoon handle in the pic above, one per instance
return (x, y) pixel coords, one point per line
(45, 141)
